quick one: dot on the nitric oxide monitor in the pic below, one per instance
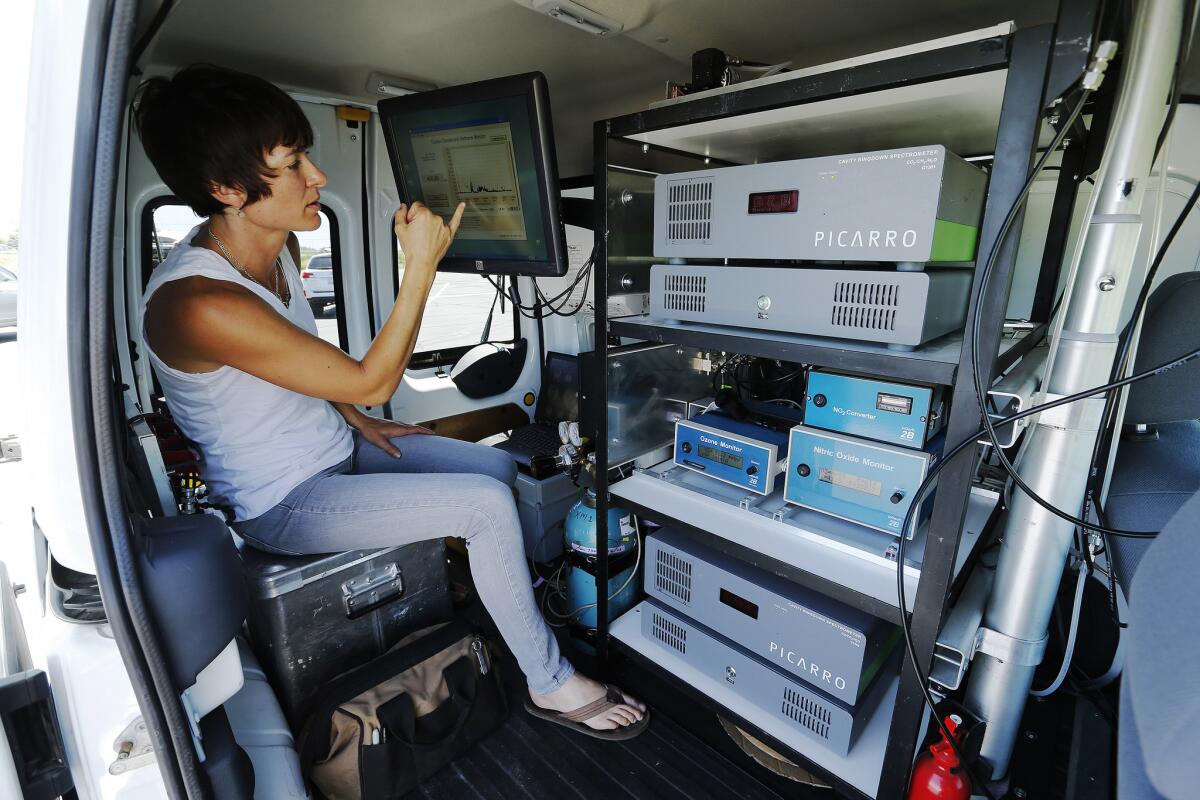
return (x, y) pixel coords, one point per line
(489, 145)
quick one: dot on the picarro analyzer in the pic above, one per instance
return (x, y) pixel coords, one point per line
(916, 205)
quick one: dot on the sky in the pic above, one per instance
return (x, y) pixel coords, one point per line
(16, 31)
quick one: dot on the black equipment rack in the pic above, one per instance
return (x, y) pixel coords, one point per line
(1042, 62)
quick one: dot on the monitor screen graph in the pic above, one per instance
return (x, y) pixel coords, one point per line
(473, 164)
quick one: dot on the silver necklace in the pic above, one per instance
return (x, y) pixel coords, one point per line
(273, 288)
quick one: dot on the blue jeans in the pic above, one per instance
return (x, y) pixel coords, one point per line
(438, 487)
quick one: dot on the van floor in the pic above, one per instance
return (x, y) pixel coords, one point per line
(684, 755)
(529, 758)
(1065, 753)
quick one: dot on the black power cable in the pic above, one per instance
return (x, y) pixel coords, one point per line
(1122, 360)
(927, 484)
(981, 394)
(985, 278)
(1108, 418)
(989, 426)
(1127, 335)
(1186, 30)
(1119, 366)
(586, 273)
(563, 298)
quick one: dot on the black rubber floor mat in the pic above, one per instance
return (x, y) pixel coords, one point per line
(532, 759)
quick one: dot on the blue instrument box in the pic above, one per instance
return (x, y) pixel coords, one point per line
(869, 483)
(896, 413)
(736, 452)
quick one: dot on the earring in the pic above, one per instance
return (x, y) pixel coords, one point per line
(241, 214)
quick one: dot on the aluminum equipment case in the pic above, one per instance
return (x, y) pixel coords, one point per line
(901, 309)
(314, 617)
(806, 710)
(836, 648)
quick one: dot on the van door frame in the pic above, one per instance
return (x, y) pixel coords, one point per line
(102, 103)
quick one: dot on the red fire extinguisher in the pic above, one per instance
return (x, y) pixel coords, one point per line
(937, 773)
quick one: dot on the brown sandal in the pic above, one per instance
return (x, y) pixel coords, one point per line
(575, 719)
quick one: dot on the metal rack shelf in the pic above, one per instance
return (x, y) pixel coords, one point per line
(973, 58)
(840, 559)
(1020, 73)
(935, 363)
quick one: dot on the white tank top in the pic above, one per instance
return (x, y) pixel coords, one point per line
(259, 440)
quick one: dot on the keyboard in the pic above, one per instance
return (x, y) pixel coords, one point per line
(538, 439)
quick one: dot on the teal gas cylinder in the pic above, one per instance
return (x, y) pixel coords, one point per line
(580, 535)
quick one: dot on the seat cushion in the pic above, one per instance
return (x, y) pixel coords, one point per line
(261, 731)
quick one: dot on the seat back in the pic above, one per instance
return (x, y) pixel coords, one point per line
(1171, 329)
(1154, 475)
(191, 576)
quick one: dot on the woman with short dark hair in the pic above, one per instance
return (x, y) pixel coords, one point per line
(272, 406)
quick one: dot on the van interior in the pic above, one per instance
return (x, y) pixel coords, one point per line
(582, 381)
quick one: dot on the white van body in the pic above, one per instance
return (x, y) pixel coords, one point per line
(94, 696)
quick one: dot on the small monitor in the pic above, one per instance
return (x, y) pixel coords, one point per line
(489, 145)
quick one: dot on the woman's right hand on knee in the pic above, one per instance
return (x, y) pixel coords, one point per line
(424, 236)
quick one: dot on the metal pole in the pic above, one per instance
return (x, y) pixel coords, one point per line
(1035, 542)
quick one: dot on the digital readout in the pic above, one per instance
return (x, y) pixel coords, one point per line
(720, 456)
(896, 403)
(782, 202)
(740, 603)
(848, 481)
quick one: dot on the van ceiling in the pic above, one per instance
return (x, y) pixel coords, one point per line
(330, 47)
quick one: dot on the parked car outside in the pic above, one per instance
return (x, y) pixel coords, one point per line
(317, 279)
(8, 298)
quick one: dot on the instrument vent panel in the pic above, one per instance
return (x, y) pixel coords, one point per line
(807, 712)
(689, 210)
(673, 575)
(865, 305)
(685, 293)
(669, 632)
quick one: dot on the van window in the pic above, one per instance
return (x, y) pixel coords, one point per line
(320, 273)
(457, 316)
(170, 221)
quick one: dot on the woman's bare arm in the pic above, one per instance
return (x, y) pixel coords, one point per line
(200, 324)
(354, 418)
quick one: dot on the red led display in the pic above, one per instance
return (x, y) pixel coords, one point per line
(782, 202)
